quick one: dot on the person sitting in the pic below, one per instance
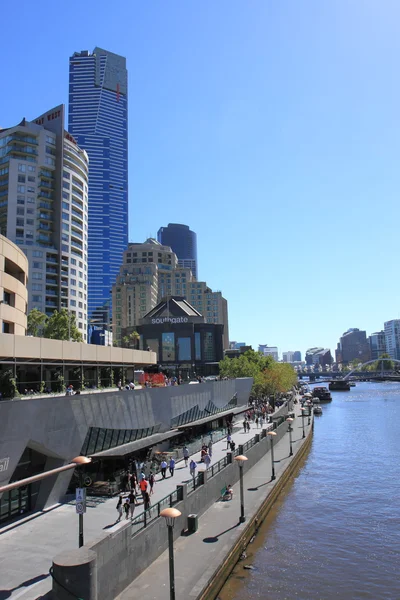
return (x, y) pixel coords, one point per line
(228, 495)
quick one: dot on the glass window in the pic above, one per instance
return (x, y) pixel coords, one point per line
(22, 168)
(197, 346)
(184, 349)
(21, 189)
(38, 265)
(154, 346)
(21, 178)
(168, 346)
(208, 346)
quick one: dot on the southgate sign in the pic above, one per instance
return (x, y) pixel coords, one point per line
(169, 320)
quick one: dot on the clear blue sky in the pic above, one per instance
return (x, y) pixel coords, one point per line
(270, 128)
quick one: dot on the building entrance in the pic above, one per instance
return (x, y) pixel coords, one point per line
(22, 500)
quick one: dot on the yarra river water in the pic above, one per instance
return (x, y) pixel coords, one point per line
(335, 531)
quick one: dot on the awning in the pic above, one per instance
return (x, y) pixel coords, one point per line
(145, 442)
(214, 417)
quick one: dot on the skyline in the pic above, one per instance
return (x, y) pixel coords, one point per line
(272, 131)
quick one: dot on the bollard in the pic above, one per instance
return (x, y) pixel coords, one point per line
(74, 574)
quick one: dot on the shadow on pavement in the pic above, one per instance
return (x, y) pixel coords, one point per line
(4, 594)
(212, 540)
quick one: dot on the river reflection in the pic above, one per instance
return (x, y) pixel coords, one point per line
(335, 533)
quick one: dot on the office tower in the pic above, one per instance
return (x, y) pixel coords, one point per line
(353, 345)
(98, 119)
(392, 338)
(149, 273)
(297, 356)
(377, 344)
(44, 209)
(183, 242)
(288, 356)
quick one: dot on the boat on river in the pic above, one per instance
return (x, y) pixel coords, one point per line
(317, 410)
(322, 393)
(339, 385)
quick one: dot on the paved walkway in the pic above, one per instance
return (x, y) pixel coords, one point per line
(28, 546)
(197, 556)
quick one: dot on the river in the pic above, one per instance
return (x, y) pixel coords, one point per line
(335, 531)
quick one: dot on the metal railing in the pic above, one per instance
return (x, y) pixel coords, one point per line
(194, 483)
(217, 467)
(153, 512)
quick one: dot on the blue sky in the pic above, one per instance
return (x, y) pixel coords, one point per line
(270, 128)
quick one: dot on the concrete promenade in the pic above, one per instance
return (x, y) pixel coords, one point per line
(28, 545)
(198, 556)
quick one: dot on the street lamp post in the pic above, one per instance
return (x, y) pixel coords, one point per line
(290, 421)
(302, 420)
(170, 514)
(309, 404)
(272, 434)
(241, 459)
(80, 462)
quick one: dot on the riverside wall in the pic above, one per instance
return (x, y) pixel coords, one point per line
(119, 558)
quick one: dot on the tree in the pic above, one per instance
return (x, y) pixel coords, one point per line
(269, 377)
(62, 326)
(8, 386)
(131, 340)
(36, 322)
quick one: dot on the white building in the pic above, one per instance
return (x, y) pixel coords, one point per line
(269, 351)
(392, 338)
(43, 209)
(288, 356)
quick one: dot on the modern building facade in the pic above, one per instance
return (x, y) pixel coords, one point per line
(288, 356)
(181, 337)
(183, 242)
(150, 272)
(377, 344)
(392, 338)
(297, 356)
(44, 210)
(318, 356)
(13, 290)
(269, 351)
(98, 119)
(353, 345)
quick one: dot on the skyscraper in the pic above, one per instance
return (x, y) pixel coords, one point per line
(183, 242)
(392, 338)
(98, 119)
(44, 209)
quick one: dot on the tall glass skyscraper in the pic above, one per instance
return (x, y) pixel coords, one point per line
(98, 120)
(183, 242)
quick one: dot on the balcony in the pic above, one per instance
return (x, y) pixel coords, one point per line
(51, 292)
(17, 149)
(52, 259)
(44, 217)
(46, 206)
(26, 139)
(46, 174)
(51, 282)
(45, 195)
(51, 303)
(43, 227)
(51, 270)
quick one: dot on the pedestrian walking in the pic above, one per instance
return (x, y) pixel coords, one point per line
(126, 508)
(257, 422)
(147, 502)
(210, 445)
(233, 446)
(248, 426)
(186, 455)
(193, 467)
(207, 460)
(143, 486)
(132, 502)
(228, 440)
(245, 425)
(163, 468)
(172, 466)
(152, 481)
(119, 509)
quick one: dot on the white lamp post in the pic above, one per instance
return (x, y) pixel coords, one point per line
(272, 434)
(170, 514)
(241, 459)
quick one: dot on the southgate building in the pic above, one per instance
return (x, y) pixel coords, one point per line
(98, 119)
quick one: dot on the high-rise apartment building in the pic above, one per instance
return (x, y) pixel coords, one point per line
(183, 242)
(377, 344)
(392, 338)
(98, 119)
(44, 209)
(149, 273)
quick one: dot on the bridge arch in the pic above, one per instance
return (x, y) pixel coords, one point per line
(370, 362)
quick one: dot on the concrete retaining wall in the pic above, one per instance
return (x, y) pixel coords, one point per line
(121, 556)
